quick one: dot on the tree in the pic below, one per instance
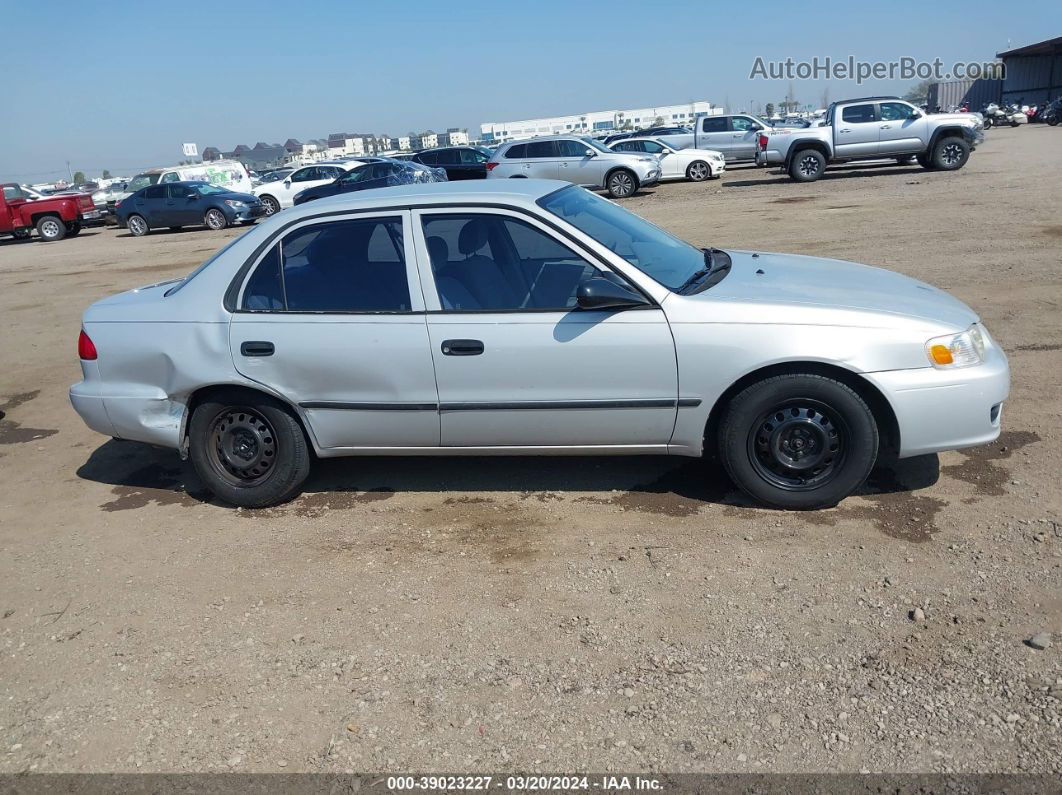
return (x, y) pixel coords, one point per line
(769, 110)
(825, 97)
(658, 121)
(918, 94)
(106, 174)
(79, 178)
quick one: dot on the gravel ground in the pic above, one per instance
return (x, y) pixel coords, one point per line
(552, 614)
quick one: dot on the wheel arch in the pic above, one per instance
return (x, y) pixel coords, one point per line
(203, 393)
(36, 217)
(628, 169)
(884, 416)
(800, 144)
(944, 132)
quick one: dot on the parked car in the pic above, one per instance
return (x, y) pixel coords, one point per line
(380, 174)
(229, 174)
(54, 217)
(459, 162)
(532, 317)
(280, 193)
(873, 128)
(649, 132)
(695, 165)
(178, 204)
(582, 161)
(734, 136)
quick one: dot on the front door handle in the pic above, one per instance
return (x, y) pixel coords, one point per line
(257, 348)
(886, 126)
(462, 347)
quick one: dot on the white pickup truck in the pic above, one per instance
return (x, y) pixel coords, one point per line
(733, 135)
(872, 128)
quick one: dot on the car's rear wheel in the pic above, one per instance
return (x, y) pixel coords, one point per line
(137, 226)
(73, 229)
(924, 161)
(215, 219)
(950, 153)
(21, 234)
(249, 450)
(807, 165)
(271, 204)
(798, 441)
(51, 228)
(621, 183)
(698, 171)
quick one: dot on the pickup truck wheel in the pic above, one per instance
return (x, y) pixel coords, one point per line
(215, 219)
(21, 234)
(698, 171)
(621, 183)
(807, 165)
(137, 226)
(271, 204)
(950, 153)
(249, 451)
(799, 441)
(50, 228)
(924, 161)
(73, 229)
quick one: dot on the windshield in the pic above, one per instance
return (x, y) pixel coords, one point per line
(142, 181)
(649, 248)
(597, 145)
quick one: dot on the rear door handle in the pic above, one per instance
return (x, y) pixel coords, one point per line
(462, 347)
(257, 348)
(886, 126)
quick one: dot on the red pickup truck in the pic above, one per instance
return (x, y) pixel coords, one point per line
(54, 218)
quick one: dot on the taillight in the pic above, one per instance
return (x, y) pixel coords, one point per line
(117, 204)
(85, 348)
(763, 142)
(491, 166)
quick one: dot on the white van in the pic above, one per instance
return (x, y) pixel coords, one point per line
(230, 174)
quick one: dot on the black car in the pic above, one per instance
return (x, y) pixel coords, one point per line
(459, 162)
(651, 131)
(384, 173)
(177, 204)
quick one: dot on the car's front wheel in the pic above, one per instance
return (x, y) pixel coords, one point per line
(798, 441)
(272, 206)
(950, 153)
(698, 171)
(621, 183)
(137, 226)
(248, 449)
(215, 219)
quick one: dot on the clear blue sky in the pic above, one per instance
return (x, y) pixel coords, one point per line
(120, 85)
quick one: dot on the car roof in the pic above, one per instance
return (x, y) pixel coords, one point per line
(491, 191)
(555, 137)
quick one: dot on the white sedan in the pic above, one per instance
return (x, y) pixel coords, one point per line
(696, 165)
(280, 194)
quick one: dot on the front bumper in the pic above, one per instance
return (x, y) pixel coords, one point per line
(652, 176)
(249, 213)
(939, 410)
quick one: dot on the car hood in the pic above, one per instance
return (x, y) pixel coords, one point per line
(835, 284)
(965, 118)
(247, 198)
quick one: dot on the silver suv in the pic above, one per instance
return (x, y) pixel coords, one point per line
(571, 158)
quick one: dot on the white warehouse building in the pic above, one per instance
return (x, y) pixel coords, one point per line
(597, 121)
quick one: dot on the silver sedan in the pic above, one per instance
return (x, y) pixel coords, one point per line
(532, 317)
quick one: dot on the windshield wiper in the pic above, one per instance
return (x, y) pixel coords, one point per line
(717, 262)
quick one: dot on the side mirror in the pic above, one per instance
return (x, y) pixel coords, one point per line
(915, 114)
(600, 293)
(287, 183)
(591, 152)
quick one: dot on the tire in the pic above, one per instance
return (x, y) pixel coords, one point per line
(50, 228)
(272, 206)
(798, 442)
(21, 234)
(807, 165)
(137, 226)
(698, 171)
(924, 161)
(73, 229)
(215, 219)
(248, 449)
(988, 122)
(621, 183)
(1052, 120)
(950, 154)
(1014, 123)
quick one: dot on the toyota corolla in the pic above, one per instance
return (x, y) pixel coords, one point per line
(532, 317)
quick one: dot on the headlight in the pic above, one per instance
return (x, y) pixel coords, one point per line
(234, 203)
(964, 349)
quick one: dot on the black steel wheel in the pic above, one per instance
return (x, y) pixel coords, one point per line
(798, 441)
(248, 448)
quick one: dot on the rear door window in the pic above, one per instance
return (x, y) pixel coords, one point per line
(712, 125)
(858, 114)
(541, 149)
(336, 267)
(155, 192)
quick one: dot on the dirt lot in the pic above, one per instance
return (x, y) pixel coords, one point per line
(545, 614)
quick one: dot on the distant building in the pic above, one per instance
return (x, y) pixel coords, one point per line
(1034, 72)
(596, 122)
